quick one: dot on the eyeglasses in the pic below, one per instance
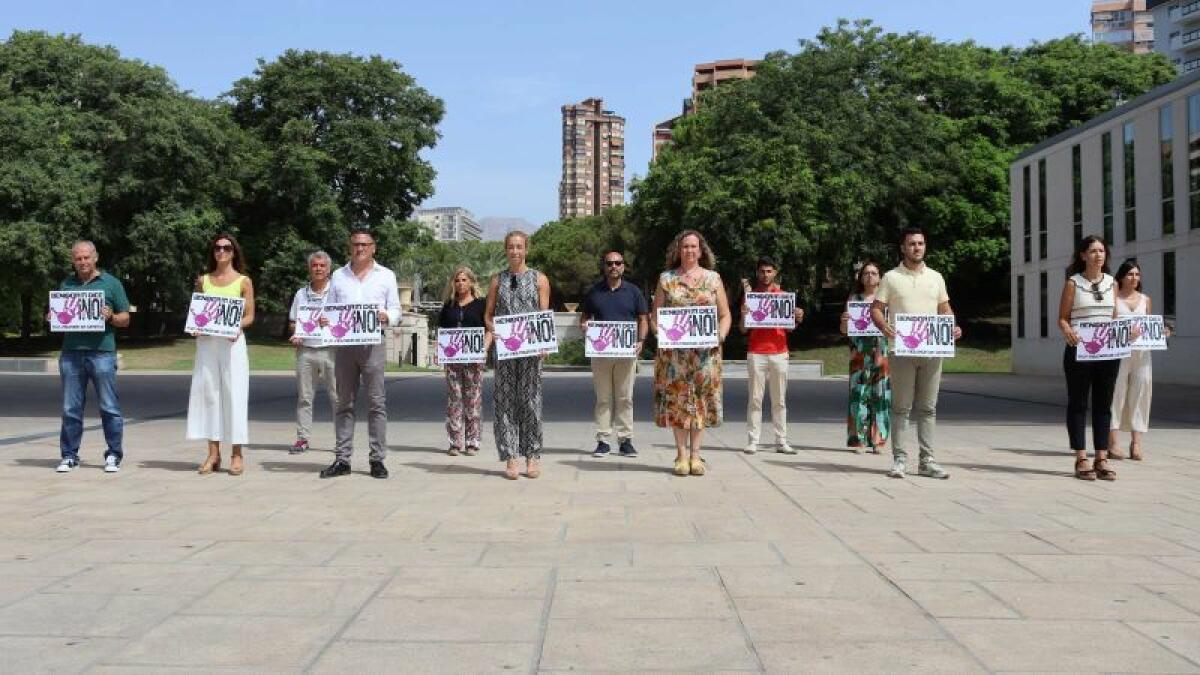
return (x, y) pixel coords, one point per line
(361, 244)
(219, 248)
(613, 263)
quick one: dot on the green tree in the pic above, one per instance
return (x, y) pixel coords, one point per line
(569, 251)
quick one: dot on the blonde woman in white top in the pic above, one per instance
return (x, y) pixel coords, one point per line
(1135, 383)
(1088, 294)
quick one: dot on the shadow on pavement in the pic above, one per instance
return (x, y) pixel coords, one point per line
(455, 469)
(1004, 468)
(293, 467)
(826, 468)
(171, 465)
(615, 464)
(47, 463)
(1029, 452)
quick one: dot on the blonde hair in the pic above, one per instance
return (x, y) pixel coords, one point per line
(707, 259)
(462, 269)
(516, 233)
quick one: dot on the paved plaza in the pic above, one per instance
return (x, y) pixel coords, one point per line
(809, 563)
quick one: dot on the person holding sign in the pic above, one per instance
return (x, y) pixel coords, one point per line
(869, 420)
(362, 281)
(518, 382)
(464, 381)
(1135, 382)
(90, 355)
(314, 360)
(687, 381)
(912, 288)
(1088, 296)
(767, 360)
(612, 299)
(217, 406)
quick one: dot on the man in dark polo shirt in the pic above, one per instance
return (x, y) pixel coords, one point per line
(614, 299)
(92, 356)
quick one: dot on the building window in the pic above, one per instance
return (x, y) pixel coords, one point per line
(1043, 306)
(1194, 161)
(1021, 306)
(1169, 283)
(1042, 209)
(1166, 135)
(1130, 184)
(1076, 196)
(1027, 227)
(1107, 183)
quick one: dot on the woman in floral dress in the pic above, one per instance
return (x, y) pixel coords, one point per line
(687, 382)
(870, 418)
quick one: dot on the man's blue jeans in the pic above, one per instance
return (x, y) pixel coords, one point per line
(76, 367)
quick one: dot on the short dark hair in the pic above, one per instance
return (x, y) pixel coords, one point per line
(766, 261)
(910, 231)
(363, 229)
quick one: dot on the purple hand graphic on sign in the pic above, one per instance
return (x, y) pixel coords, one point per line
(678, 328)
(605, 339)
(1099, 337)
(210, 311)
(342, 326)
(68, 312)
(761, 312)
(311, 324)
(863, 320)
(456, 343)
(516, 336)
(920, 332)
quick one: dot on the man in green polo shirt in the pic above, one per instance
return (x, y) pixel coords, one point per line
(92, 356)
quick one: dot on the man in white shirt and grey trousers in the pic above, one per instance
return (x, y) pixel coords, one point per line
(362, 281)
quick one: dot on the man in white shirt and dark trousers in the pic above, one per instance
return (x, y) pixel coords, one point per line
(314, 361)
(362, 281)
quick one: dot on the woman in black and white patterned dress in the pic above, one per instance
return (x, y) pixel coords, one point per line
(517, 386)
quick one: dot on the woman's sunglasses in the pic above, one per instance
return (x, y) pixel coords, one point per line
(1096, 292)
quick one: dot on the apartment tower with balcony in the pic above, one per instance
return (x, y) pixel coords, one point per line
(1123, 23)
(1177, 24)
(705, 77)
(593, 159)
(450, 223)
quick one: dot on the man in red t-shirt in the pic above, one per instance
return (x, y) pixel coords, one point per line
(767, 364)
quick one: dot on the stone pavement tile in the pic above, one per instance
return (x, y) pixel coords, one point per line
(466, 582)
(851, 519)
(392, 553)
(1063, 646)
(1102, 599)
(834, 619)
(980, 542)
(435, 658)
(202, 643)
(1189, 565)
(1101, 544)
(614, 530)
(514, 529)
(1187, 596)
(957, 599)
(145, 578)
(1181, 638)
(53, 654)
(81, 527)
(977, 522)
(316, 573)
(637, 645)
(13, 589)
(818, 552)
(644, 501)
(567, 573)
(453, 619)
(131, 551)
(899, 656)
(1131, 569)
(878, 542)
(542, 555)
(291, 597)
(806, 581)
(40, 568)
(701, 553)
(85, 614)
(31, 549)
(1110, 523)
(949, 567)
(267, 552)
(635, 599)
(184, 670)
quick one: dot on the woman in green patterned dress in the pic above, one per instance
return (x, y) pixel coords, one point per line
(869, 421)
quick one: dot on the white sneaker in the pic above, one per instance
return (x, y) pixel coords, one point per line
(750, 449)
(897, 469)
(786, 449)
(67, 465)
(932, 470)
(111, 465)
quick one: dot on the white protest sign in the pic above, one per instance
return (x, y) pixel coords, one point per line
(860, 323)
(924, 335)
(1154, 333)
(1103, 340)
(215, 316)
(352, 324)
(77, 312)
(610, 339)
(687, 327)
(460, 345)
(770, 310)
(308, 323)
(521, 335)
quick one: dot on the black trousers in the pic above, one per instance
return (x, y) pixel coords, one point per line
(1100, 379)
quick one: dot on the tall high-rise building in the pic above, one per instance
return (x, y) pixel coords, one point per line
(450, 223)
(1177, 25)
(705, 77)
(593, 159)
(1123, 23)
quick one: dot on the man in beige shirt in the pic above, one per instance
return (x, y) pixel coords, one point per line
(913, 288)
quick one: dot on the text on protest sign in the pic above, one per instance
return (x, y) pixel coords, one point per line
(215, 315)
(308, 322)
(770, 310)
(1154, 333)
(521, 335)
(460, 345)
(76, 311)
(860, 324)
(352, 324)
(687, 327)
(926, 335)
(611, 339)
(1103, 340)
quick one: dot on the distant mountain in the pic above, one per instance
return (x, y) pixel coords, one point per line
(495, 227)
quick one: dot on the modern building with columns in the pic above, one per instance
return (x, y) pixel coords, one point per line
(1131, 175)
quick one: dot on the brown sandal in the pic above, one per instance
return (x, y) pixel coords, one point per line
(1083, 469)
(1102, 471)
(1135, 452)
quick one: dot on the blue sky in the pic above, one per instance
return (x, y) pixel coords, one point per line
(504, 68)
